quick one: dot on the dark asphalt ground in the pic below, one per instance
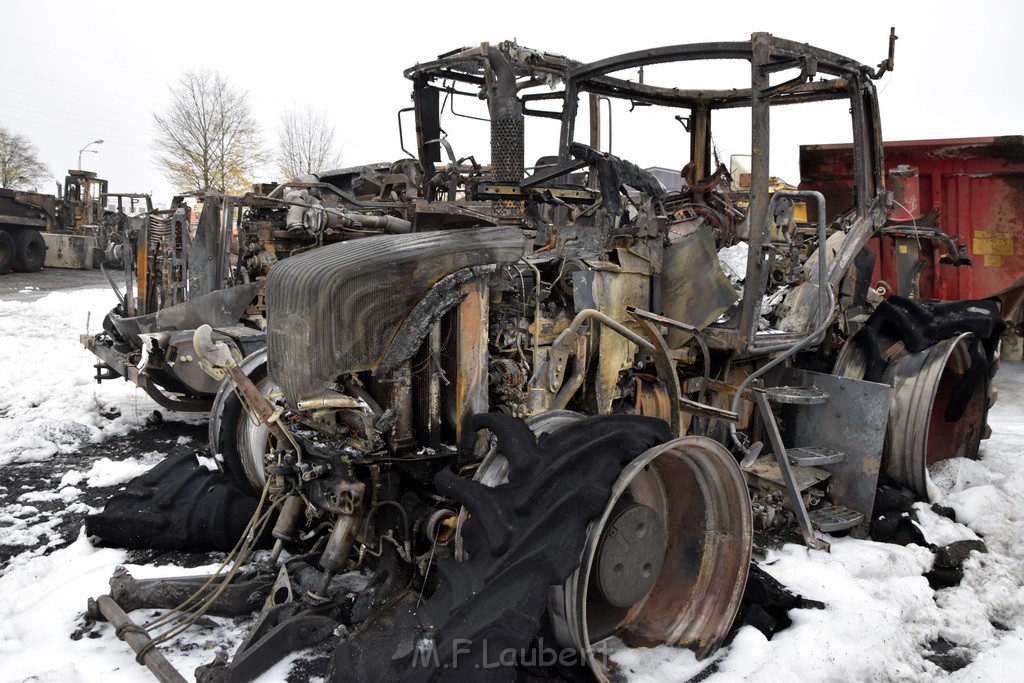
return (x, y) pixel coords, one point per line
(33, 286)
(57, 525)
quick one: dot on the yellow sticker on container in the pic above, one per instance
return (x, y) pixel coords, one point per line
(993, 260)
(992, 242)
(903, 249)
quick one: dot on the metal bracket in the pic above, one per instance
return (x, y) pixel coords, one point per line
(277, 633)
(243, 595)
(808, 69)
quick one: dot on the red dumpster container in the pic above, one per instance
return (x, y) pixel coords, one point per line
(972, 189)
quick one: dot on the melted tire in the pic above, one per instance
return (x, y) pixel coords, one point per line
(521, 538)
(940, 377)
(177, 505)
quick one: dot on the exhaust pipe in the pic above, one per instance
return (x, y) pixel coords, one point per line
(507, 131)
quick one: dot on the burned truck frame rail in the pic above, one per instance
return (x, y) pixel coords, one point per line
(559, 368)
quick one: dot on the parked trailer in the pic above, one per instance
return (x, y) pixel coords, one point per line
(22, 216)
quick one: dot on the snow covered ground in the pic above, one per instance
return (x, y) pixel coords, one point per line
(49, 400)
(881, 617)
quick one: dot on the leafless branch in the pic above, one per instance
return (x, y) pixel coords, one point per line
(305, 144)
(208, 140)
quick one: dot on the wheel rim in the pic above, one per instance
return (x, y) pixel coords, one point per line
(249, 442)
(36, 251)
(253, 439)
(695, 488)
(917, 434)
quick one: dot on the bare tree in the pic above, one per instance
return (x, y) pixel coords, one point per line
(208, 140)
(20, 167)
(305, 144)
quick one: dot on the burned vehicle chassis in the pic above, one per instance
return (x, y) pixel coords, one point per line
(542, 407)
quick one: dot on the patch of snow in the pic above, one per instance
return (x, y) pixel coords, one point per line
(957, 474)
(939, 530)
(65, 494)
(207, 462)
(23, 525)
(656, 664)
(734, 261)
(997, 664)
(49, 400)
(107, 472)
(71, 478)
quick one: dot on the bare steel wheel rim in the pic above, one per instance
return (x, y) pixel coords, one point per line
(254, 439)
(693, 489)
(917, 434)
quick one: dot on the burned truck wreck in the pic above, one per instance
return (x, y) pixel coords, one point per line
(545, 410)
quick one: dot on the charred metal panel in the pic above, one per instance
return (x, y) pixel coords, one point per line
(338, 309)
(694, 289)
(69, 251)
(471, 351)
(611, 292)
(221, 308)
(851, 422)
(209, 253)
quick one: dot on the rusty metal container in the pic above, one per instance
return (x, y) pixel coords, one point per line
(970, 188)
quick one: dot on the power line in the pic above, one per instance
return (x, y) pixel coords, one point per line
(61, 130)
(77, 105)
(81, 87)
(76, 54)
(81, 118)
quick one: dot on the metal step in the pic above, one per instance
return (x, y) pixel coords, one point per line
(814, 456)
(767, 469)
(831, 518)
(805, 396)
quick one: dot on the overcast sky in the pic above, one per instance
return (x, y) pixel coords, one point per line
(76, 72)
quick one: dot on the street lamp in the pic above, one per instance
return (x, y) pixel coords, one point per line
(86, 149)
